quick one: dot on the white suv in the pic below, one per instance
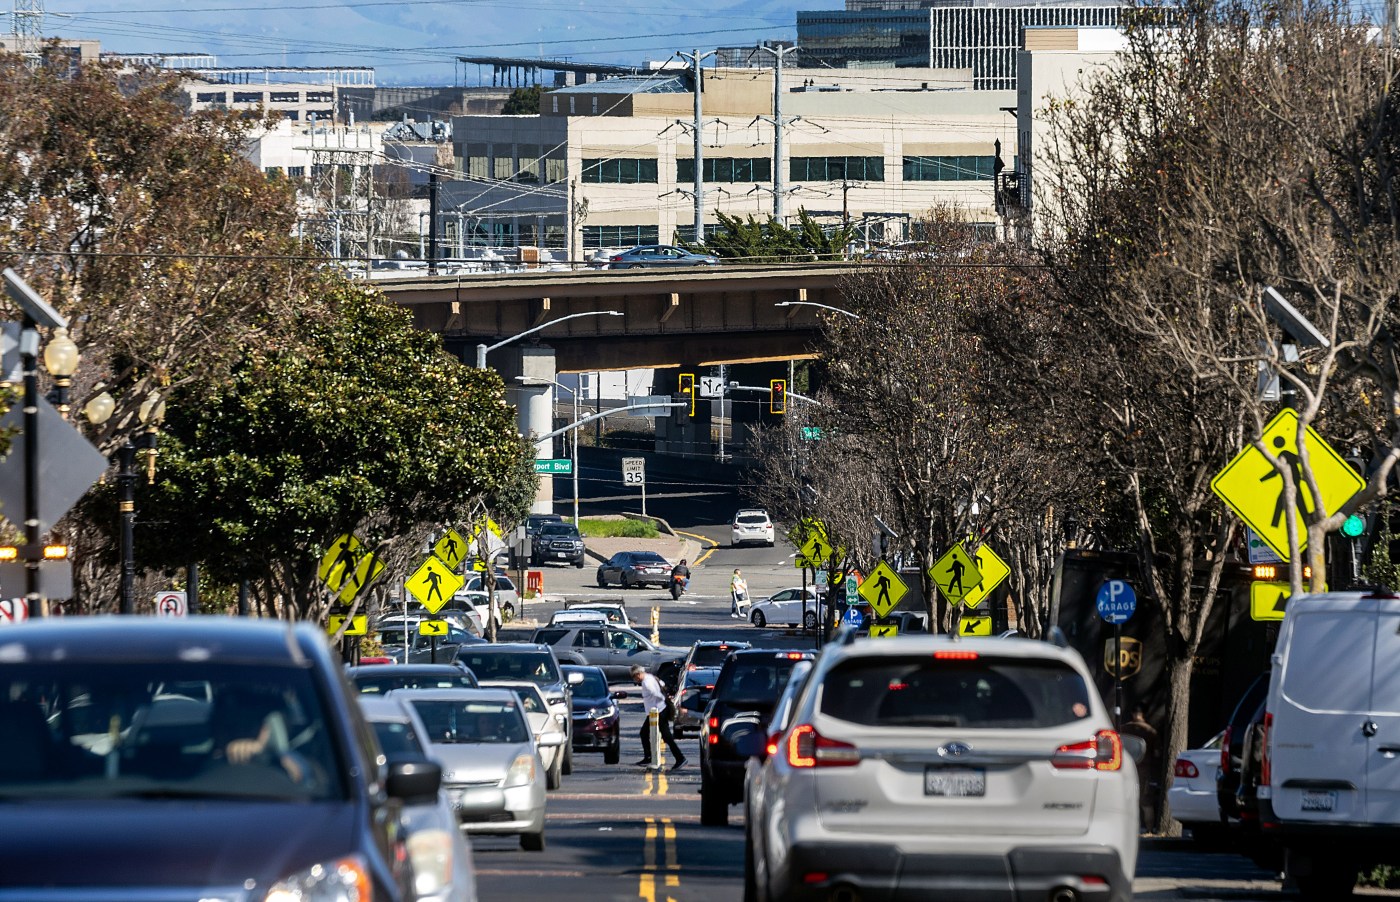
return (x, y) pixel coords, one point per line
(751, 526)
(922, 766)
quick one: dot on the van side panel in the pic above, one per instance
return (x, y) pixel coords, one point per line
(1383, 759)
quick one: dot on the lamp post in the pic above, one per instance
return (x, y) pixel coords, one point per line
(815, 304)
(573, 458)
(61, 360)
(483, 349)
(151, 414)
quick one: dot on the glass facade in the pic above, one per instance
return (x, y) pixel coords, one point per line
(726, 169)
(836, 169)
(619, 236)
(891, 37)
(619, 172)
(948, 169)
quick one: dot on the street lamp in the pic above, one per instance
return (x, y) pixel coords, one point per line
(574, 447)
(61, 360)
(482, 349)
(151, 413)
(815, 304)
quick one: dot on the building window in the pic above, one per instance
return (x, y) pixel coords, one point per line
(503, 162)
(476, 161)
(247, 96)
(619, 171)
(948, 169)
(529, 169)
(273, 171)
(571, 106)
(727, 169)
(291, 115)
(285, 97)
(619, 236)
(556, 170)
(211, 97)
(554, 104)
(595, 106)
(836, 169)
(320, 96)
(296, 172)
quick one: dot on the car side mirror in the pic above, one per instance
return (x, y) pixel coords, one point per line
(549, 740)
(414, 782)
(575, 678)
(619, 695)
(1135, 747)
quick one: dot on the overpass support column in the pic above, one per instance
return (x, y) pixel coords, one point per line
(680, 434)
(534, 405)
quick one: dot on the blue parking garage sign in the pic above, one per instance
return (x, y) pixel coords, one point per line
(853, 617)
(1116, 601)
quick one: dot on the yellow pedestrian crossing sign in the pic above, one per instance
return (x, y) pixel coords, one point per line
(359, 625)
(432, 627)
(365, 572)
(1253, 488)
(975, 624)
(994, 572)
(883, 589)
(339, 561)
(883, 630)
(956, 574)
(816, 549)
(451, 549)
(433, 584)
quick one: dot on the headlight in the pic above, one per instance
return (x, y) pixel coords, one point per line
(522, 771)
(345, 880)
(554, 700)
(431, 854)
(606, 711)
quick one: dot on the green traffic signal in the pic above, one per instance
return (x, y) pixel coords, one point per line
(1353, 526)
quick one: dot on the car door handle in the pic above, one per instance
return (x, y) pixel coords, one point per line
(1389, 751)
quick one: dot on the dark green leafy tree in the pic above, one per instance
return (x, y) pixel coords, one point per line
(752, 240)
(523, 102)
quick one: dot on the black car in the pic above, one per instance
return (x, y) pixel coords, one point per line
(235, 743)
(634, 569)
(745, 692)
(534, 522)
(597, 721)
(379, 679)
(1246, 712)
(558, 542)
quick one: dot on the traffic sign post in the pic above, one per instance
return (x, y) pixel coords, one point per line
(451, 549)
(172, 604)
(1116, 602)
(883, 589)
(852, 589)
(956, 574)
(432, 629)
(634, 473)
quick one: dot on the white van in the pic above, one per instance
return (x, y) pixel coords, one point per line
(1330, 780)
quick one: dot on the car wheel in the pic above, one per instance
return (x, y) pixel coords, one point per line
(613, 753)
(579, 563)
(809, 620)
(568, 767)
(532, 842)
(602, 580)
(758, 620)
(553, 777)
(714, 812)
(635, 266)
(628, 580)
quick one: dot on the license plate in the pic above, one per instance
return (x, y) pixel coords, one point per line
(955, 782)
(562, 553)
(1319, 800)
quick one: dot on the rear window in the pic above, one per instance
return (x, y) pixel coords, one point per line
(452, 722)
(537, 667)
(647, 557)
(754, 679)
(375, 684)
(753, 519)
(986, 692)
(711, 655)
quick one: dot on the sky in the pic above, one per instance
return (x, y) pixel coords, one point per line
(417, 41)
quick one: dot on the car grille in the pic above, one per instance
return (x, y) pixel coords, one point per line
(494, 817)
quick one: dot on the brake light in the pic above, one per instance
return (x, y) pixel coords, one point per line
(1225, 750)
(793, 656)
(1184, 768)
(617, 259)
(714, 723)
(1265, 765)
(692, 667)
(808, 748)
(955, 656)
(772, 747)
(714, 739)
(1103, 752)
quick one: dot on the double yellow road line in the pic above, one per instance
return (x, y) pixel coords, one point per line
(659, 859)
(656, 783)
(703, 543)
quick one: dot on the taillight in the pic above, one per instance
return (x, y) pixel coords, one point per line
(955, 656)
(1225, 750)
(714, 723)
(691, 667)
(793, 656)
(1265, 766)
(772, 747)
(617, 259)
(808, 748)
(1184, 768)
(1103, 752)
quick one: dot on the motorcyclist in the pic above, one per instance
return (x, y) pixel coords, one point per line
(680, 578)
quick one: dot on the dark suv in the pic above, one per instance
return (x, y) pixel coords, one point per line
(746, 690)
(557, 542)
(236, 742)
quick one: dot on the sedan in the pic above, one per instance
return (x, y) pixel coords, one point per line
(659, 255)
(597, 721)
(1192, 795)
(550, 729)
(491, 767)
(613, 648)
(634, 569)
(788, 606)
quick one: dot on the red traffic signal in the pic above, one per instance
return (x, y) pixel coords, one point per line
(777, 398)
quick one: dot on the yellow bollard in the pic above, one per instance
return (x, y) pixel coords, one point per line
(655, 623)
(654, 718)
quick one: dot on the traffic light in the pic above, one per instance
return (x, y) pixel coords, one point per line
(686, 382)
(777, 398)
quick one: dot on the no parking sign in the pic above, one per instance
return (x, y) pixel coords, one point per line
(171, 604)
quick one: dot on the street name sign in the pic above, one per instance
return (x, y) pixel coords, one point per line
(1253, 488)
(956, 574)
(433, 584)
(1116, 601)
(883, 589)
(994, 572)
(555, 466)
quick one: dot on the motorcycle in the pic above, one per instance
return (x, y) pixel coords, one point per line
(678, 585)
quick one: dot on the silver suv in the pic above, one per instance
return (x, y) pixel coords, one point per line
(926, 767)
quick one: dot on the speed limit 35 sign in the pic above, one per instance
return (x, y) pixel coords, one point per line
(634, 471)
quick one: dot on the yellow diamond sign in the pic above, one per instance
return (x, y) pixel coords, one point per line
(994, 572)
(1253, 488)
(451, 549)
(339, 561)
(365, 572)
(883, 589)
(816, 549)
(433, 584)
(975, 625)
(956, 574)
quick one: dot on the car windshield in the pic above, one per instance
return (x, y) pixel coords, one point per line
(559, 529)
(593, 685)
(529, 699)
(754, 679)
(397, 739)
(378, 684)
(459, 722)
(983, 692)
(192, 729)
(710, 655)
(538, 667)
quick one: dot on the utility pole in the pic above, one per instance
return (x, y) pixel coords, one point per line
(433, 222)
(696, 58)
(779, 124)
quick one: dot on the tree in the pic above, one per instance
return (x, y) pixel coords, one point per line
(756, 241)
(523, 102)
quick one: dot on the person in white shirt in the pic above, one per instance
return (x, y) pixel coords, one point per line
(738, 593)
(654, 699)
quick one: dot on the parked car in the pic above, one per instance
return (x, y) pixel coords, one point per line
(597, 720)
(752, 525)
(525, 661)
(491, 764)
(748, 686)
(615, 611)
(507, 596)
(577, 616)
(380, 680)
(558, 542)
(906, 758)
(634, 570)
(613, 648)
(1329, 786)
(1192, 796)
(442, 861)
(1247, 710)
(791, 606)
(659, 255)
(422, 649)
(235, 741)
(542, 724)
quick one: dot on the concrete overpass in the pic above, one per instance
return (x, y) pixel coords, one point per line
(677, 317)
